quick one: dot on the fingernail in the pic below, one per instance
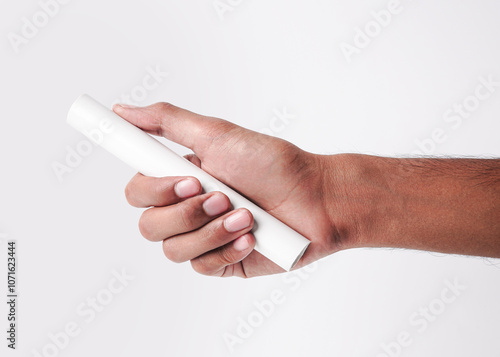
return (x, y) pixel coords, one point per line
(237, 221)
(215, 205)
(241, 243)
(186, 188)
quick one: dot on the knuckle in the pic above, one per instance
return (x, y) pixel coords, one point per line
(160, 190)
(162, 111)
(171, 253)
(186, 212)
(190, 213)
(226, 257)
(129, 194)
(201, 267)
(165, 108)
(213, 234)
(145, 225)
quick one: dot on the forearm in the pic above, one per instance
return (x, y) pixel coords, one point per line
(445, 205)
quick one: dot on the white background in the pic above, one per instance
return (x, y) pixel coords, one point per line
(260, 57)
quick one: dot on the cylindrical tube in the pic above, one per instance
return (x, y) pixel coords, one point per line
(275, 240)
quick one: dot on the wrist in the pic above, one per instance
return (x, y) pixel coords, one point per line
(359, 199)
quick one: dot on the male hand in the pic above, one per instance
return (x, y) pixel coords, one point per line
(284, 180)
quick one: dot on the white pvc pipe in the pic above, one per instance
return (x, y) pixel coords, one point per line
(274, 239)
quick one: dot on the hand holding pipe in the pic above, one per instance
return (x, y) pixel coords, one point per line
(273, 239)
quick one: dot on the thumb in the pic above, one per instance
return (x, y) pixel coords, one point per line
(186, 128)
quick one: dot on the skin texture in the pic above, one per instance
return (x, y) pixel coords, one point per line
(337, 201)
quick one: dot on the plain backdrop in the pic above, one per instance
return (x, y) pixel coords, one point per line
(259, 58)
